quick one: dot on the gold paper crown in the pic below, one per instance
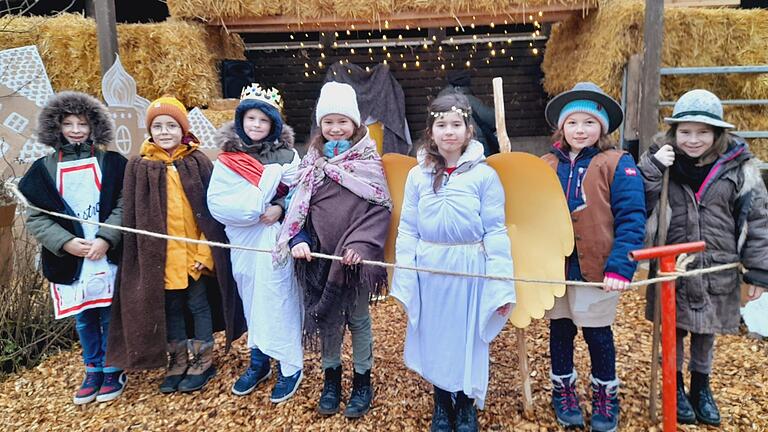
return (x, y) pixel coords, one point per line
(270, 96)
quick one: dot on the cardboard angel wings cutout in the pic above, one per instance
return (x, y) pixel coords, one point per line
(538, 225)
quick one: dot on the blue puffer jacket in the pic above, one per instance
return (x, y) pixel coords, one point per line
(627, 201)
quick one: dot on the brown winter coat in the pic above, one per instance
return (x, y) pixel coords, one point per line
(137, 333)
(731, 216)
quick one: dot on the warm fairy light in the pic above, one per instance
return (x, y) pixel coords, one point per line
(353, 26)
(541, 13)
(384, 48)
(493, 25)
(451, 39)
(490, 44)
(386, 24)
(306, 65)
(434, 38)
(535, 51)
(352, 50)
(417, 63)
(319, 64)
(474, 37)
(389, 55)
(418, 28)
(335, 44)
(400, 37)
(322, 55)
(306, 74)
(407, 27)
(487, 61)
(319, 46)
(467, 63)
(493, 52)
(336, 34)
(511, 58)
(530, 17)
(405, 66)
(426, 46)
(302, 44)
(292, 37)
(440, 48)
(367, 69)
(472, 25)
(456, 28)
(384, 37)
(370, 50)
(506, 22)
(442, 66)
(401, 55)
(535, 23)
(385, 61)
(348, 33)
(503, 51)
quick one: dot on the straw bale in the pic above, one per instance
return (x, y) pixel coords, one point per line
(219, 117)
(173, 57)
(374, 10)
(597, 47)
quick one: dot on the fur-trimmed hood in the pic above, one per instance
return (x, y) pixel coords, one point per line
(227, 140)
(70, 102)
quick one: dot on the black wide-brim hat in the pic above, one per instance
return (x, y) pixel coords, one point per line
(588, 91)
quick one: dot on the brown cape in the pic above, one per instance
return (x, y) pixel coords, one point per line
(137, 332)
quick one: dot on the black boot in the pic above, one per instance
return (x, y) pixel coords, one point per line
(466, 413)
(443, 415)
(331, 395)
(702, 400)
(362, 394)
(685, 413)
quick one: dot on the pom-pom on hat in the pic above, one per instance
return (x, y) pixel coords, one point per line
(171, 106)
(700, 106)
(591, 99)
(337, 98)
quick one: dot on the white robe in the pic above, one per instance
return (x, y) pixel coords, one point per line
(272, 302)
(452, 320)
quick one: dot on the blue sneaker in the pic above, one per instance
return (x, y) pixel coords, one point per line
(286, 386)
(90, 386)
(112, 387)
(258, 371)
(565, 401)
(605, 405)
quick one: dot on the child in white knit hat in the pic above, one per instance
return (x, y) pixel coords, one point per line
(340, 205)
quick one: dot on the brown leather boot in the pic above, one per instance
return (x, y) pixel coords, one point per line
(177, 366)
(201, 368)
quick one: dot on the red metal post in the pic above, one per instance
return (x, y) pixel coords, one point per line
(668, 256)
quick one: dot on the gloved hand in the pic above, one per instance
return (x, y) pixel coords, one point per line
(665, 155)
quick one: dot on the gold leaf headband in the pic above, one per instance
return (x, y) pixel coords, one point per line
(464, 113)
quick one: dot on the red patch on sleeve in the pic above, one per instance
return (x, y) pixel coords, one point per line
(630, 171)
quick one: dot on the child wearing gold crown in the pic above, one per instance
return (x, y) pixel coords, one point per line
(247, 194)
(166, 285)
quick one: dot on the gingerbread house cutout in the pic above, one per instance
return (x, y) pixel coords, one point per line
(127, 109)
(24, 90)
(204, 130)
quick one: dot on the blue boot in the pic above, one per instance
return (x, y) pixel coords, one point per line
(258, 371)
(605, 405)
(565, 401)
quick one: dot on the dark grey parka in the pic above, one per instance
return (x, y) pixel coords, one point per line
(730, 213)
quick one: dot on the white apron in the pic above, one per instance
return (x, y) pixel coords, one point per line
(79, 184)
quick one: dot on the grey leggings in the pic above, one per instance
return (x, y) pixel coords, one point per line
(359, 324)
(702, 351)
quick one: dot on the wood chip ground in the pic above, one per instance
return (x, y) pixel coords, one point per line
(40, 399)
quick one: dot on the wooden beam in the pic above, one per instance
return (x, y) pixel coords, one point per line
(632, 102)
(283, 23)
(653, 32)
(106, 29)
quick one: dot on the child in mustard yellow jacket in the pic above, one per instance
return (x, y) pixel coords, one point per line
(167, 193)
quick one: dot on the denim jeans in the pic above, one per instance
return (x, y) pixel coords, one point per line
(93, 327)
(193, 299)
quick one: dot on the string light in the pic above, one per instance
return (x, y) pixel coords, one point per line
(322, 55)
(493, 52)
(319, 64)
(417, 63)
(535, 51)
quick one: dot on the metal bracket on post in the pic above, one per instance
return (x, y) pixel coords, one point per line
(668, 256)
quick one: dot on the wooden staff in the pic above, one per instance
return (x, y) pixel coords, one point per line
(522, 350)
(661, 240)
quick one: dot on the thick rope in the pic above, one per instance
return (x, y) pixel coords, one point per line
(12, 187)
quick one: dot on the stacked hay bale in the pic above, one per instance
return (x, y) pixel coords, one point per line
(172, 57)
(598, 47)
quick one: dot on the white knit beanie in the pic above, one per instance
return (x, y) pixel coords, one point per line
(337, 98)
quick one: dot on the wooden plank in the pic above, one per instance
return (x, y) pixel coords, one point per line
(516, 14)
(106, 29)
(653, 30)
(632, 117)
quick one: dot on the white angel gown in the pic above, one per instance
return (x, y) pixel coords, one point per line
(272, 301)
(452, 320)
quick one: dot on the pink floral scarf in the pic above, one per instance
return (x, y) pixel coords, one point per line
(358, 169)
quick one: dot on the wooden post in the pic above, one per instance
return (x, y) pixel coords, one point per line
(7, 214)
(632, 116)
(653, 32)
(522, 349)
(106, 30)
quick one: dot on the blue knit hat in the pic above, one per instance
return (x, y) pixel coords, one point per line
(269, 110)
(587, 107)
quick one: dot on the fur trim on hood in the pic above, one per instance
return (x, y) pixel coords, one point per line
(70, 102)
(227, 140)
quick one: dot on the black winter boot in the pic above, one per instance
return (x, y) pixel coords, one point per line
(466, 413)
(702, 400)
(331, 395)
(685, 414)
(362, 394)
(443, 414)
